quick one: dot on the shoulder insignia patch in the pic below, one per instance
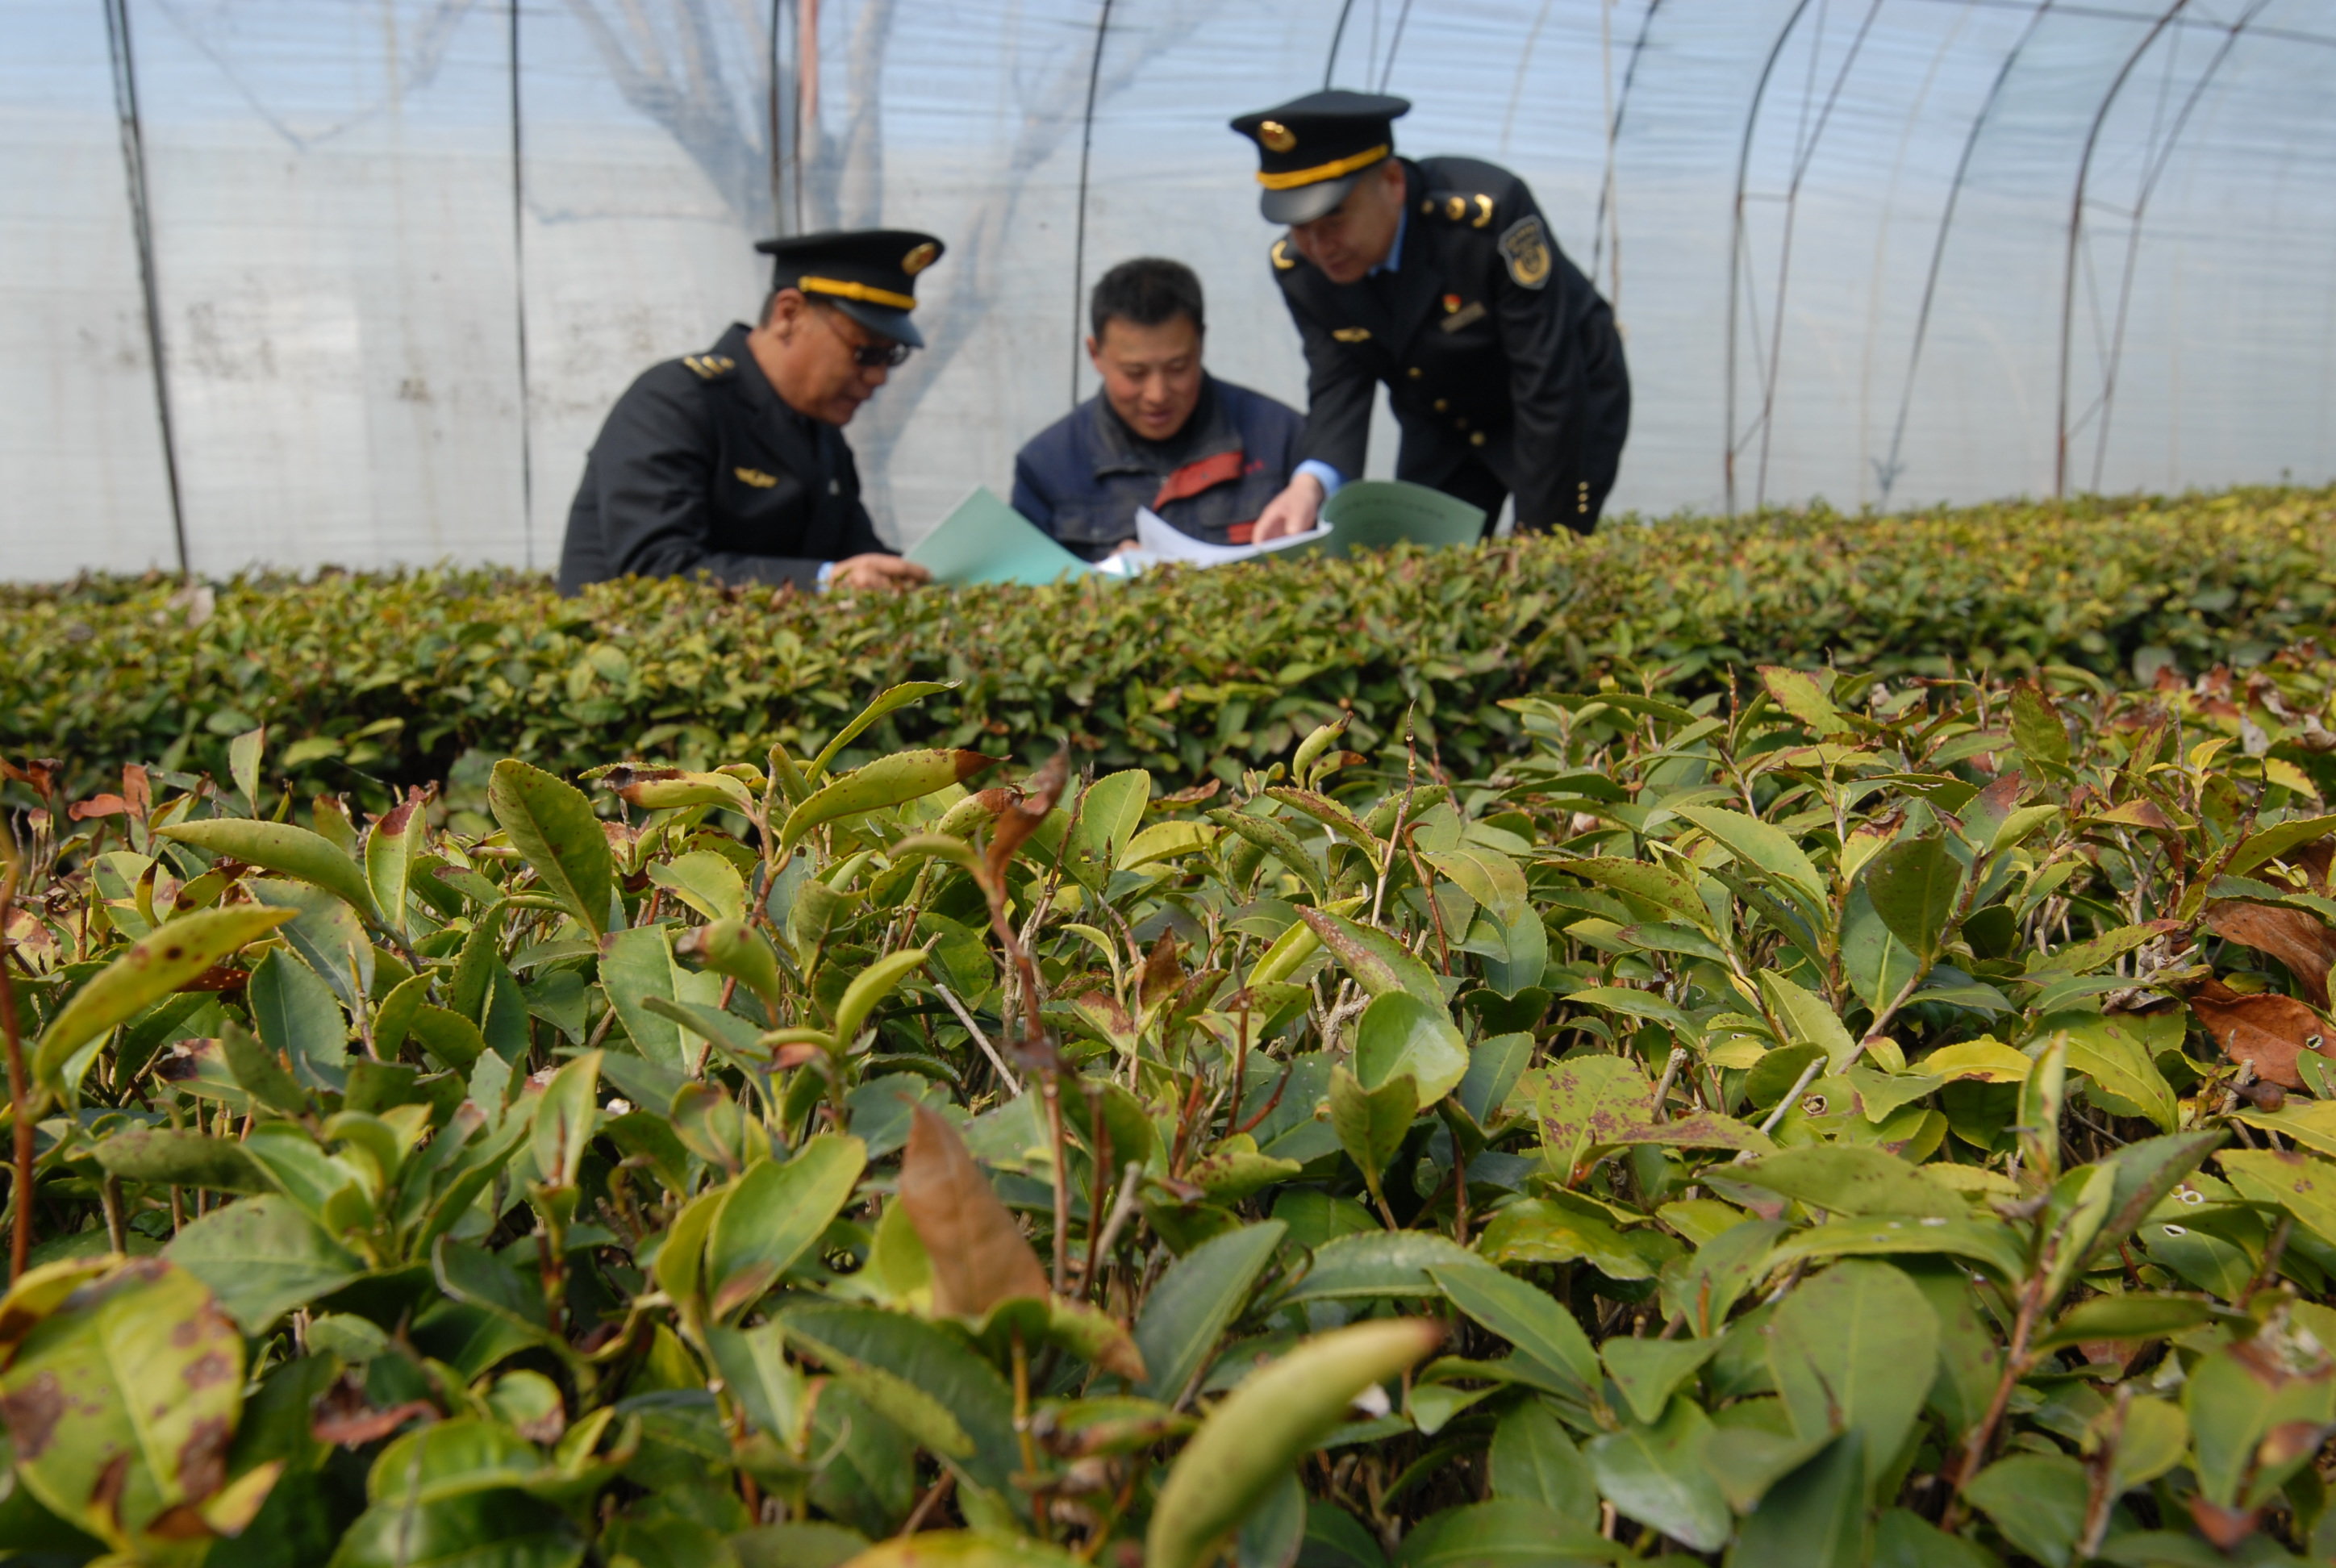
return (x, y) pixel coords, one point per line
(1526, 249)
(1283, 260)
(707, 367)
(1352, 334)
(755, 477)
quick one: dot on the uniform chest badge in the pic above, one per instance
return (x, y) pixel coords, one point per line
(755, 477)
(1462, 315)
(1352, 334)
(1525, 247)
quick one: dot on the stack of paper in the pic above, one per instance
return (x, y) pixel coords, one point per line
(986, 541)
(1374, 513)
(1156, 537)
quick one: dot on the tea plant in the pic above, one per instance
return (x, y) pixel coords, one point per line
(1817, 1121)
(370, 684)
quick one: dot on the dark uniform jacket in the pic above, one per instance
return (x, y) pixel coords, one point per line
(1495, 348)
(702, 468)
(1081, 478)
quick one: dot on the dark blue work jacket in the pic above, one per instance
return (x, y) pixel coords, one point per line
(1081, 478)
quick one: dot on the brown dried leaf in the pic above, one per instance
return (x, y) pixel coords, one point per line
(2296, 938)
(1019, 821)
(980, 1255)
(2267, 1030)
(1162, 974)
(2227, 1528)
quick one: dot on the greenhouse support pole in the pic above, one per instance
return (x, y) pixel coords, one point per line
(519, 301)
(1079, 238)
(133, 162)
(2076, 238)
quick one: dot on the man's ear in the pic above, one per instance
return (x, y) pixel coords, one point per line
(1094, 353)
(785, 308)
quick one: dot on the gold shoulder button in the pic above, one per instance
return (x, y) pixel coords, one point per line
(755, 477)
(1283, 260)
(1352, 334)
(1483, 210)
(1455, 208)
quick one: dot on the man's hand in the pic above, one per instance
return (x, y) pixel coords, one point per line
(875, 571)
(1294, 511)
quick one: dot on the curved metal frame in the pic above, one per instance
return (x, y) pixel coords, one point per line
(1887, 471)
(1606, 190)
(1079, 233)
(142, 231)
(1803, 154)
(2105, 403)
(2076, 228)
(1736, 241)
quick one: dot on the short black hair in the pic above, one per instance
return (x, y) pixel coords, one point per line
(1146, 291)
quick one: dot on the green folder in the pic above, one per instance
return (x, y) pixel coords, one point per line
(1373, 513)
(986, 541)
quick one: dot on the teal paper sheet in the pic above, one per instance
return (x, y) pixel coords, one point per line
(1373, 513)
(986, 541)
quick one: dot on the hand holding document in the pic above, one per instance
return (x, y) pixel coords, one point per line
(1157, 537)
(983, 539)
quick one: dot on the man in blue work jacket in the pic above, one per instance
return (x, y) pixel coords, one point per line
(1204, 454)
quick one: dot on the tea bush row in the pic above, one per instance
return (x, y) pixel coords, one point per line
(1826, 1122)
(370, 682)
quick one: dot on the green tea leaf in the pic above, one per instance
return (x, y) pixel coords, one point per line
(886, 781)
(1855, 1349)
(1532, 1460)
(1400, 1036)
(1914, 883)
(774, 1214)
(1188, 1312)
(1276, 1415)
(2038, 1501)
(551, 824)
(285, 849)
(153, 967)
(262, 1257)
(1654, 1474)
(1531, 1319)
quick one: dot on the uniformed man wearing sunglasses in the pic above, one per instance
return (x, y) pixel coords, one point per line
(732, 462)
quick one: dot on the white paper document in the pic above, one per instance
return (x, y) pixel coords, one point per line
(1161, 539)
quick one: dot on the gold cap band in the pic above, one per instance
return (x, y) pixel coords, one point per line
(1322, 171)
(859, 291)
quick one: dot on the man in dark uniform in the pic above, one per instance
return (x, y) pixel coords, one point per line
(732, 462)
(1439, 277)
(1205, 455)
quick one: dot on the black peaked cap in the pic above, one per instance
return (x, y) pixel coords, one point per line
(869, 274)
(1310, 150)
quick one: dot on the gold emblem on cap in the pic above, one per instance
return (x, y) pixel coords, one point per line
(1276, 136)
(923, 256)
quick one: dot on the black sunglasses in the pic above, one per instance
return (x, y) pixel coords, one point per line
(887, 355)
(890, 356)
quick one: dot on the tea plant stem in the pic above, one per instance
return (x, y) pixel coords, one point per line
(1123, 1205)
(2015, 1363)
(1670, 1073)
(1050, 1087)
(20, 1188)
(1013, 1083)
